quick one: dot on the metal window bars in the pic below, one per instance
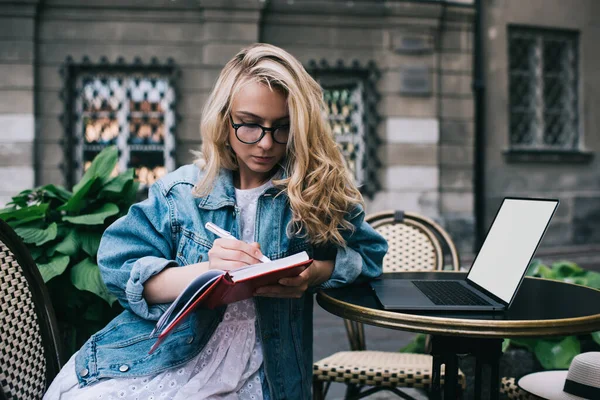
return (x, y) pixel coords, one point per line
(133, 111)
(543, 81)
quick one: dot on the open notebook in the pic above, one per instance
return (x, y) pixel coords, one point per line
(214, 288)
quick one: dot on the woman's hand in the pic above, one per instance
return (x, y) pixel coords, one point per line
(228, 254)
(317, 273)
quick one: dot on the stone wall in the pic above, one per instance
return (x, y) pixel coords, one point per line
(576, 184)
(421, 50)
(17, 58)
(199, 38)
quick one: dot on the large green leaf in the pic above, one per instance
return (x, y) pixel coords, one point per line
(30, 213)
(557, 355)
(564, 269)
(130, 192)
(37, 235)
(86, 276)
(95, 218)
(90, 241)
(69, 245)
(101, 167)
(55, 267)
(56, 192)
(417, 345)
(529, 344)
(77, 201)
(22, 199)
(593, 279)
(36, 252)
(540, 270)
(119, 182)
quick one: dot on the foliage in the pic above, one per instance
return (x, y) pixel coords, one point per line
(552, 353)
(558, 352)
(62, 231)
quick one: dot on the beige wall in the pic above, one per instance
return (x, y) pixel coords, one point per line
(577, 185)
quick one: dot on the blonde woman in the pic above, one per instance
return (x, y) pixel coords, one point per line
(270, 173)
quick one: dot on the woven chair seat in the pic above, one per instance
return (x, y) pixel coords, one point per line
(509, 387)
(367, 368)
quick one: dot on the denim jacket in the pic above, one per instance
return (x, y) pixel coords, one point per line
(167, 230)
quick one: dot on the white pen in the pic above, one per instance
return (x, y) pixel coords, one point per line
(222, 233)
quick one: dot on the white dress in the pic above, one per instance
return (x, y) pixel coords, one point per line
(227, 368)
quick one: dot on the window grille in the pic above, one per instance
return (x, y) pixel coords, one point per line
(350, 97)
(132, 110)
(543, 81)
(344, 107)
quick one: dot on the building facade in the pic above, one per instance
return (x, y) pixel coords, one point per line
(541, 130)
(76, 76)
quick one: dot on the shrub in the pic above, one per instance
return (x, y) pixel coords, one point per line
(62, 231)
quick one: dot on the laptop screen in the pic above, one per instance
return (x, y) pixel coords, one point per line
(510, 245)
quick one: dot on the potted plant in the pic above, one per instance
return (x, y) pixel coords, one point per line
(62, 230)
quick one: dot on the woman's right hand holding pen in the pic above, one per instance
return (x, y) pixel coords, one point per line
(228, 253)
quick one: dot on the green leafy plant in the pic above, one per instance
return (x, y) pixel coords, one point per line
(551, 353)
(62, 231)
(558, 352)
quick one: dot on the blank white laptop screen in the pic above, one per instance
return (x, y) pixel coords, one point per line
(510, 244)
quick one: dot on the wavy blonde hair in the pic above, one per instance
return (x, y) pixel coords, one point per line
(318, 184)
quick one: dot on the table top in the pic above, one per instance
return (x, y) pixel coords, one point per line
(541, 308)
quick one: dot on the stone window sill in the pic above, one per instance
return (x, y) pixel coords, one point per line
(548, 156)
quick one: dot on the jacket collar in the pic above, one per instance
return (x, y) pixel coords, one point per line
(223, 191)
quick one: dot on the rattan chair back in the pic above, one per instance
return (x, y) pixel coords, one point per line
(29, 346)
(415, 243)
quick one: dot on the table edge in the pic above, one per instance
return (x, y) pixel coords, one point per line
(488, 328)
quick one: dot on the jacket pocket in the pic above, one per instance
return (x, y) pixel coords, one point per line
(193, 248)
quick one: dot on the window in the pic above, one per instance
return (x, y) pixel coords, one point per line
(351, 98)
(130, 108)
(344, 109)
(543, 94)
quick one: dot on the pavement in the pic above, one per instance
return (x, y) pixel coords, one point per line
(330, 337)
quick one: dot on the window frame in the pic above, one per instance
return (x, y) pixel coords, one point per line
(72, 142)
(367, 77)
(538, 151)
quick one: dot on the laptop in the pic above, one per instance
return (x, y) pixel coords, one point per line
(496, 273)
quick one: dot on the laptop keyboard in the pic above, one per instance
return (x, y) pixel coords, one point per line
(449, 293)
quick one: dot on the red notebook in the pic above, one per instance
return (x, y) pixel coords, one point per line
(215, 287)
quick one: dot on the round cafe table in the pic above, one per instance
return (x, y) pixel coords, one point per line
(541, 308)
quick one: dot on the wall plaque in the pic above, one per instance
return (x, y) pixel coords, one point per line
(412, 43)
(415, 81)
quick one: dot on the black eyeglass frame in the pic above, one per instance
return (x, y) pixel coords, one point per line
(262, 135)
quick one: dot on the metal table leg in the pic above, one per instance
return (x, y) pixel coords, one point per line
(487, 353)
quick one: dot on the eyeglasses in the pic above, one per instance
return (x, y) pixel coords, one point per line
(253, 133)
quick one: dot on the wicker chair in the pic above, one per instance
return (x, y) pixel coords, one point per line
(510, 389)
(29, 346)
(416, 243)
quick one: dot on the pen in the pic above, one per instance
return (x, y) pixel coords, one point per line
(222, 233)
